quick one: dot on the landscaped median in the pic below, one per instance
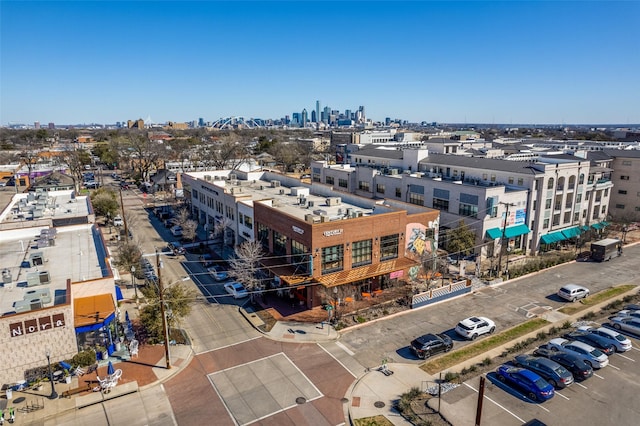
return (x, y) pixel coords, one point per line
(483, 351)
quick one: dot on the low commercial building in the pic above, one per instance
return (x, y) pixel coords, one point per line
(318, 243)
(58, 293)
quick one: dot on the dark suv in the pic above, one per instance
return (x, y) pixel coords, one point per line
(431, 344)
(549, 370)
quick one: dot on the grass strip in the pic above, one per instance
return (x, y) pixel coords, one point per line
(477, 348)
(596, 298)
(373, 421)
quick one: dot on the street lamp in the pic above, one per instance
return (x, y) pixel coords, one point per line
(503, 237)
(133, 280)
(53, 395)
(335, 303)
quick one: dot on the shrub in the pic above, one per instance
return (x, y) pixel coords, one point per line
(360, 319)
(553, 331)
(487, 361)
(567, 324)
(541, 336)
(451, 376)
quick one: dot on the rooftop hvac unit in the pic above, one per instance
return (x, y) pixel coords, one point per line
(334, 201)
(236, 190)
(302, 201)
(349, 211)
(324, 218)
(320, 212)
(281, 192)
(275, 183)
(311, 204)
(340, 211)
(207, 178)
(358, 213)
(393, 171)
(233, 176)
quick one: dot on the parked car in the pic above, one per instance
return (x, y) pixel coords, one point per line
(590, 355)
(472, 327)
(237, 290)
(575, 365)
(176, 248)
(117, 221)
(632, 307)
(92, 184)
(431, 344)
(206, 260)
(628, 313)
(573, 292)
(619, 341)
(535, 387)
(551, 371)
(217, 273)
(124, 185)
(628, 324)
(594, 340)
(176, 231)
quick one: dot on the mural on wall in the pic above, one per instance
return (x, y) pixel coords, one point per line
(422, 243)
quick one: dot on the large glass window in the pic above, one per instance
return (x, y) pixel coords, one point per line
(343, 183)
(468, 210)
(263, 235)
(300, 257)
(361, 253)
(279, 243)
(380, 188)
(248, 222)
(363, 185)
(441, 204)
(332, 259)
(329, 180)
(417, 199)
(389, 247)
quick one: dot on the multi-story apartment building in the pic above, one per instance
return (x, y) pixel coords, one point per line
(534, 203)
(318, 241)
(625, 198)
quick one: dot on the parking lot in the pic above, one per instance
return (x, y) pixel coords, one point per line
(588, 402)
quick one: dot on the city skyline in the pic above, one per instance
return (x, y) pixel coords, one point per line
(452, 62)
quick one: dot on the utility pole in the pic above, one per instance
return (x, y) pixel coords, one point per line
(164, 317)
(480, 400)
(502, 237)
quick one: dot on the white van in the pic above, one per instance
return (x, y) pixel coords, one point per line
(117, 221)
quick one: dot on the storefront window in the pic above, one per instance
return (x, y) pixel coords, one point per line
(300, 257)
(361, 253)
(279, 243)
(389, 247)
(263, 235)
(332, 259)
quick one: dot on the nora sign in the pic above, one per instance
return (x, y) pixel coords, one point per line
(36, 325)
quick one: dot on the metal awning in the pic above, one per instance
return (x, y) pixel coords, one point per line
(571, 232)
(514, 231)
(510, 232)
(494, 233)
(552, 237)
(584, 228)
(597, 226)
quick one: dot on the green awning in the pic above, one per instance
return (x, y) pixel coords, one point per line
(584, 228)
(552, 237)
(514, 231)
(571, 232)
(597, 226)
(494, 233)
(604, 223)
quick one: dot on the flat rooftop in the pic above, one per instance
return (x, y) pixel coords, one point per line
(37, 258)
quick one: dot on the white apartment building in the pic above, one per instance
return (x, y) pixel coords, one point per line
(535, 203)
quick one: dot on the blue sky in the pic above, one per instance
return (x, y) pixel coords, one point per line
(475, 62)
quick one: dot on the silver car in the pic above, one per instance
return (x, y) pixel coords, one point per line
(628, 324)
(590, 355)
(620, 341)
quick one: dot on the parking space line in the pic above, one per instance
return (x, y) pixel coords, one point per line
(489, 399)
(626, 357)
(543, 408)
(633, 347)
(565, 397)
(337, 360)
(613, 366)
(581, 385)
(597, 375)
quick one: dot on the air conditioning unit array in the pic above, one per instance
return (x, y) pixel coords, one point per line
(334, 201)
(275, 183)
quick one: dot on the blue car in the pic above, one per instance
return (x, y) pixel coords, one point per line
(533, 386)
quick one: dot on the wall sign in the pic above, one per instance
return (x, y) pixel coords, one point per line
(297, 230)
(332, 233)
(36, 325)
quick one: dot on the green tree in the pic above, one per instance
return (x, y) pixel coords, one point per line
(461, 239)
(105, 202)
(178, 299)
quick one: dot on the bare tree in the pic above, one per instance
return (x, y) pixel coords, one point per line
(74, 159)
(245, 266)
(144, 154)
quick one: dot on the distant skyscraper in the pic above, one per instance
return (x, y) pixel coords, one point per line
(347, 114)
(200, 122)
(37, 125)
(314, 117)
(305, 118)
(295, 119)
(317, 112)
(326, 114)
(52, 126)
